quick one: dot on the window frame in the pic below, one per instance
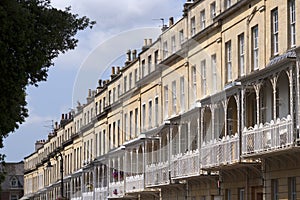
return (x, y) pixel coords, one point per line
(241, 52)
(275, 31)
(228, 58)
(255, 47)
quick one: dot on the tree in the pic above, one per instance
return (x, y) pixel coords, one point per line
(32, 34)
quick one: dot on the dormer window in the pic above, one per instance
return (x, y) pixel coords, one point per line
(14, 182)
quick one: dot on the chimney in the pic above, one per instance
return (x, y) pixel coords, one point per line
(171, 21)
(100, 83)
(79, 107)
(112, 70)
(164, 28)
(113, 73)
(186, 7)
(145, 42)
(70, 115)
(39, 144)
(56, 125)
(62, 116)
(128, 55)
(134, 54)
(66, 116)
(89, 97)
(150, 42)
(128, 59)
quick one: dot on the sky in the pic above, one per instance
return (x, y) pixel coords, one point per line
(121, 25)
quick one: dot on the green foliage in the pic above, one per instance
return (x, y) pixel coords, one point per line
(32, 34)
(2, 170)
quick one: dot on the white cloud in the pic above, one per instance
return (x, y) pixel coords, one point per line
(113, 17)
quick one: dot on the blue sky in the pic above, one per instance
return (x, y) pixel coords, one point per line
(126, 21)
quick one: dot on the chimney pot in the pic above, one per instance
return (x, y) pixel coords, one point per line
(100, 82)
(145, 42)
(118, 70)
(90, 93)
(113, 70)
(134, 54)
(128, 55)
(62, 116)
(171, 21)
(66, 116)
(150, 42)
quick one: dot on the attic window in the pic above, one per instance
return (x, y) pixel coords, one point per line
(14, 182)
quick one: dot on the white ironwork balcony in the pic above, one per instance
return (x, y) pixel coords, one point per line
(268, 136)
(157, 174)
(76, 198)
(135, 183)
(76, 195)
(220, 152)
(87, 195)
(183, 165)
(116, 189)
(101, 193)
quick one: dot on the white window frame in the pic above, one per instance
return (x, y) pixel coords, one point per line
(203, 77)
(292, 23)
(174, 97)
(156, 111)
(182, 94)
(130, 125)
(136, 75)
(193, 26)
(144, 116)
(202, 19)
(194, 81)
(213, 10)
(255, 47)
(214, 72)
(143, 68)
(275, 31)
(181, 36)
(173, 44)
(165, 49)
(149, 64)
(125, 83)
(130, 80)
(150, 107)
(136, 121)
(228, 60)
(241, 40)
(227, 3)
(166, 101)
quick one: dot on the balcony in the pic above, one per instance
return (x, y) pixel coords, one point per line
(268, 137)
(184, 165)
(220, 152)
(101, 193)
(116, 189)
(135, 183)
(87, 195)
(157, 174)
(76, 196)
